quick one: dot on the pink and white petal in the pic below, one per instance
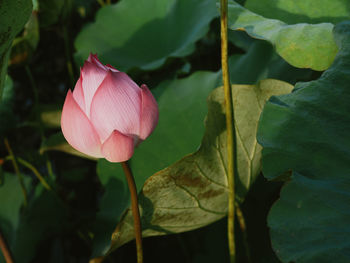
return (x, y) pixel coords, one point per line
(115, 106)
(149, 113)
(78, 130)
(78, 93)
(110, 67)
(92, 77)
(94, 59)
(126, 81)
(118, 147)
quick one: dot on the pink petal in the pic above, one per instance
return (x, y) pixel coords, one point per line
(77, 129)
(116, 106)
(149, 113)
(112, 68)
(92, 77)
(78, 93)
(118, 147)
(126, 81)
(94, 60)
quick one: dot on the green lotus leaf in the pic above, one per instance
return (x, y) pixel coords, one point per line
(306, 133)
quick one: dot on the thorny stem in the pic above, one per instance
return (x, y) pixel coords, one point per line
(230, 133)
(135, 210)
(5, 250)
(15, 167)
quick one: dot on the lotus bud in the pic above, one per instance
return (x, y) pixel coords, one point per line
(107, 114)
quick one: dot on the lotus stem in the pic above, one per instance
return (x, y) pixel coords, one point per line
(18, 173)
(230, 132)
(5, 250)
(243, 227)
(35, 172)
(135, 210)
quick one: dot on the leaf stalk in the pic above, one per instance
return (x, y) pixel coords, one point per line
(16, 168)
(230, 132)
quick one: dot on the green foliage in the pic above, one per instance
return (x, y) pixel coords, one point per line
(261, 62)
(134, 33)
(50, 115)
(177, 134)
(7, 117)
(300, 11)
(50, 11)
(12, 200)
(301, 45)
(43, 216)
(13, 16)
(115, 199)
(192, 192)
(306, 132)
(174, 47)
(24, 45)
(58, 143)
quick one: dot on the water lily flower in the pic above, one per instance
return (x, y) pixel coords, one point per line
(107, 114)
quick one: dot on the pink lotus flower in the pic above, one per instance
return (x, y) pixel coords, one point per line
(107, 114)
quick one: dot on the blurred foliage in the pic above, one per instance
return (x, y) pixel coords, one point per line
(174, 47)
(135, 33)
(14, 15)
(7, 118)
(24, 45)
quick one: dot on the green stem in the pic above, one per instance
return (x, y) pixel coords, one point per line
(135, 211)
(230, 132)
(49, 167)
(101, 2)
(32, 83)
(243, 227)
(15, 167)
(35, 172)
(33, 169)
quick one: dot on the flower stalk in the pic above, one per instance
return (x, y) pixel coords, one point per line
(230, 132)
(135, 210)
(5, 250)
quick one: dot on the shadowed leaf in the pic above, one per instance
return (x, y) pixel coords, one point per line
(13, 16)
(192, 192)
(307, 132)
(261, 62)
(50, 115)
